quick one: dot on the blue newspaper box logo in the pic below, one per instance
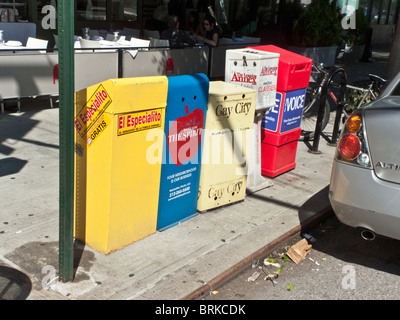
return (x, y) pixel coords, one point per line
(271, 119)
(293, 110)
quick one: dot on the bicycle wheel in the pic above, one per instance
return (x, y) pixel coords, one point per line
(310, 114)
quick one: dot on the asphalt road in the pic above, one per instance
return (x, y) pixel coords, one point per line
(340, 266)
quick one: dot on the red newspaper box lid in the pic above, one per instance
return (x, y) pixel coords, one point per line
(294, 70)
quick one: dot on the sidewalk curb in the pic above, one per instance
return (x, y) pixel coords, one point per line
(259, 254)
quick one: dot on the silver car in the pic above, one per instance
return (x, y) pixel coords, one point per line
(365, 180)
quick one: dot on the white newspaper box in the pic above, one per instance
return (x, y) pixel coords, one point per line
(257, 70)
(254, 69)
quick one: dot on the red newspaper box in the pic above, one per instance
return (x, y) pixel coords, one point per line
(281, 126)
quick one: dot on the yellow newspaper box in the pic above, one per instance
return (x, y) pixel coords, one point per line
(118, 153)
(226, 145)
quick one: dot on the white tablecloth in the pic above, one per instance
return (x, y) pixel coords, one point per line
(19, 31)
(4, 49)
(112, 46)
(105, 44)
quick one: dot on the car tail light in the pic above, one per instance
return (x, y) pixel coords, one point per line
(354, 123)
(352, 146)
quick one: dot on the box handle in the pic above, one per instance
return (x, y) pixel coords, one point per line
(299, 68)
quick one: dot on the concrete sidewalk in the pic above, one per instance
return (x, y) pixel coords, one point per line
(179, 263)
(167, 265)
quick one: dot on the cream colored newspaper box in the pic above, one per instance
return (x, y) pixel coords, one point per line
(258, 70)
(226, 145)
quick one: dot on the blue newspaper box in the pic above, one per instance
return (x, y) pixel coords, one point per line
(180, 170)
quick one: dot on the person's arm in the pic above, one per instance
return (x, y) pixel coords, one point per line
(213, 42)
(188, 39)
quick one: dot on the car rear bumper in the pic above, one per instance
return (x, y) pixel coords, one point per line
(360, 199)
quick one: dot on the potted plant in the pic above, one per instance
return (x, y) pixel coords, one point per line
(316, 32)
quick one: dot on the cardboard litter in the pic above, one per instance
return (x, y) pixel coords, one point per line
(298, 251)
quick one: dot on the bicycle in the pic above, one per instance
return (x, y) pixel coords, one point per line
(357, 94)
(363, 92)
(319, 75)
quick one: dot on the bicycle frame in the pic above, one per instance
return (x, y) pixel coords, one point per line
(366, 93)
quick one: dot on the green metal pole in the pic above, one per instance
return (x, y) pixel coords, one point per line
(65, 17)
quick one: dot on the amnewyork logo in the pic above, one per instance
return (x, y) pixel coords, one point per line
(92, 111)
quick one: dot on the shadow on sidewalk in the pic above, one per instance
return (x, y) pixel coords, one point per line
(15, 128)
(315, 209)
(14, 285)
(319, 202)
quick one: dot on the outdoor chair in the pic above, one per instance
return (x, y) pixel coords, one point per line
(147, 34)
